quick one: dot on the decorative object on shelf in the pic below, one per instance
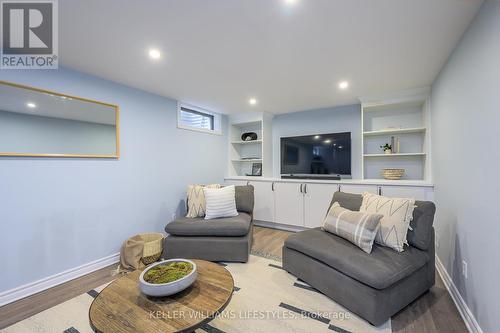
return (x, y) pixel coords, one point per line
(249, 136)
(398, 146)
(392, 174)
(184, 274)
(387, 148)
(256, 169)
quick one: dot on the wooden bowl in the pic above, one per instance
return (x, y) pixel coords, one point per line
(170, 288)
(392, 174)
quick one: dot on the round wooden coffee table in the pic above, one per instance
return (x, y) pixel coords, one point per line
(121, 307)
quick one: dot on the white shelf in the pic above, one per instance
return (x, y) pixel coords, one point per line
(394, 155)
(374, 181)
(246, 142)
(248, 160)
(395, 131)
(406, 116)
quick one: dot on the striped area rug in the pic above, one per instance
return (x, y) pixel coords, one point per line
(266, 299)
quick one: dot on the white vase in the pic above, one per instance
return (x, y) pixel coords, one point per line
(388, 151)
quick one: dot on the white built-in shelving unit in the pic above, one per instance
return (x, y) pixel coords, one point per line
(404, 116)
(244, 154)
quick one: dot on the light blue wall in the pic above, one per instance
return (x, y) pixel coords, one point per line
(57, 214)
(328, 120)
(26, 133)
(466, 164)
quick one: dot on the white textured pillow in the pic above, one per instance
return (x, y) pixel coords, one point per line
(196, 200)
(398, 213)
(220, 202)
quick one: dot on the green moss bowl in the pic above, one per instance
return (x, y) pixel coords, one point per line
(168, 288)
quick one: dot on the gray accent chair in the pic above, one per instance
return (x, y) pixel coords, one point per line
(223, 239)
(374, 286)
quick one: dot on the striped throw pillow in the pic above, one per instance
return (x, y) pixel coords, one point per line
(196, 200)
(358, 228)
(220, 202)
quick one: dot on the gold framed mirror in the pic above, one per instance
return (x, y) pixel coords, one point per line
(42, 123)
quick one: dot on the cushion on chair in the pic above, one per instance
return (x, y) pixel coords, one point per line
(227, 226)
(380, 269)
(420, 234)
(397, 215)
(244, 198)
(196, 200)
(350, 201)
(220, 202)
(358, 228)
(423, 218)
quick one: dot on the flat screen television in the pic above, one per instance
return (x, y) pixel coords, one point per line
(318, 156)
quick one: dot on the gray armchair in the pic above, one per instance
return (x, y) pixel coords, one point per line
(223, 239)
(374, 286)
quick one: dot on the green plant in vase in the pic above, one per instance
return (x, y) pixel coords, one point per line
(387, 148)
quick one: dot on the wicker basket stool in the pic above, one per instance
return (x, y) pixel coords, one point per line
(153, 247)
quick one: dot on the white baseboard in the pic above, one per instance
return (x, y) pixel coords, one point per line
(463, 309)
(32, 288)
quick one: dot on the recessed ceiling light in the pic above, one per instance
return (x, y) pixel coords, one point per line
(317, 137)
(343, 85)
(252, 101)
(327, 141)
(31, 105)
(290, 2)
(154, 54)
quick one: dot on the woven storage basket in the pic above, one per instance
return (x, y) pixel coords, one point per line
(393, 174)
(153, 247)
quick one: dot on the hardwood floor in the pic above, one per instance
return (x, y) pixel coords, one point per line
(433, 312)
(29, 306)
(270, 241)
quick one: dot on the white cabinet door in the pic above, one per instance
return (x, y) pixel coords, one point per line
(317, 198)
(359, 189)
(419, 193)
(264, 201)
(288, 204)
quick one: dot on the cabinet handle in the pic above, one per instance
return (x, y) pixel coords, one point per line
(301, 188)
(305, 188)
(380, 190)
(340, 188)
(248, 182)
(272, 186)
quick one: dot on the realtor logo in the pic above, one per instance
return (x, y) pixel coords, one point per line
(29, 34)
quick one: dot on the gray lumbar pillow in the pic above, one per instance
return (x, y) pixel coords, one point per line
(356, 227)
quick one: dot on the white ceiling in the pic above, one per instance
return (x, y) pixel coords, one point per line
(217, 54)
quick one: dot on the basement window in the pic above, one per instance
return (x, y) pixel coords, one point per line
(197, 119)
